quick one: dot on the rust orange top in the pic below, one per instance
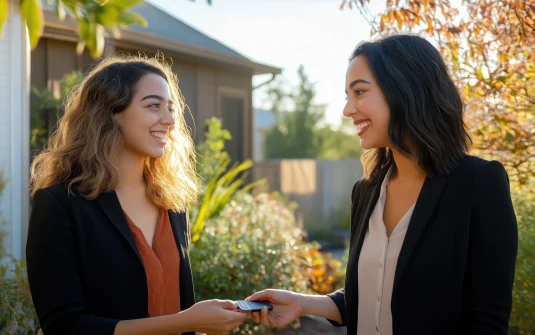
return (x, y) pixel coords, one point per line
(162, 266)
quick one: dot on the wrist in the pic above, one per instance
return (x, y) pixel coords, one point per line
(303, 302)
(184, 322)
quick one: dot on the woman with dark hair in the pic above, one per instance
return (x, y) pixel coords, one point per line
(433, 232)
(108, 242)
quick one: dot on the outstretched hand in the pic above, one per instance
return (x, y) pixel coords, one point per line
(287, 307)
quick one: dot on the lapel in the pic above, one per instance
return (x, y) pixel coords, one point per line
(179, 224)
(365, 200)
(109, 202)
(425, 205)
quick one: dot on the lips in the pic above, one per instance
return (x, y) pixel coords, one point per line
(362, 125)
(160, 136)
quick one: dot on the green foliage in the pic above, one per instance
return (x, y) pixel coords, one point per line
(93, 17)
(341, 143)
(250, 246)
(67, 83)
(253, 244)
(300, 132)
(222, 183)
(212, 150)
(294, 135)
(17, 314)
(33, 17)
(523, 316)
(49, 104)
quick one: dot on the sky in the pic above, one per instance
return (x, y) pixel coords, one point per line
(284, 34)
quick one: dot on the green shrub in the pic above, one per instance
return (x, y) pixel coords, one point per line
(252, 245)
(523, 316)
(17, 314)
(221, 181)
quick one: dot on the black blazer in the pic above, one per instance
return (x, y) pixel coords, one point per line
(84, 269)
(456, 267)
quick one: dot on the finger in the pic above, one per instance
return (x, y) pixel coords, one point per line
(236, 317)
(264, 317)
(262, 295)
(256, 317)
(228, 304)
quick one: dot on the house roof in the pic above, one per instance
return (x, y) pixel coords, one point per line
(166, 31)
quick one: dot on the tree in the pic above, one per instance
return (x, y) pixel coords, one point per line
(293, 137)
(93, 18)
(301, 132)
(488, 45)
(340, 143)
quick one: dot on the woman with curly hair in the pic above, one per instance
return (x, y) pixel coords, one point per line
(108, 241)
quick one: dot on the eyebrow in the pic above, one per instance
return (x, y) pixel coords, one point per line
(358, 81)
(154, 96)
(355, 82)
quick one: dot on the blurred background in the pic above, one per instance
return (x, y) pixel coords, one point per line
(263, 82)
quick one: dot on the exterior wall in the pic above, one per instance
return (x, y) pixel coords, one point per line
(14, 127)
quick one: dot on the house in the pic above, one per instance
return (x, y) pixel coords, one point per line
(214, 79)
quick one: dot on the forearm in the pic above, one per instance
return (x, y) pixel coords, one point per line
(160, 325)
(321, 306)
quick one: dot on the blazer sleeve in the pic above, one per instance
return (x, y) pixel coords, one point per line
(339, 296)
(52, 263)
(492, 253)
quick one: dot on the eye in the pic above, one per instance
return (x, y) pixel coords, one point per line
(155, 105)
(359, 92)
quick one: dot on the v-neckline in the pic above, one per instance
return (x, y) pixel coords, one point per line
(150, 245)
(382, 200)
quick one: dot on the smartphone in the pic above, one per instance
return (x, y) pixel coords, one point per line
(253, 306)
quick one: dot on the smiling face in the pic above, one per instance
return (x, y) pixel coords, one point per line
(367, 105)
(146, 123)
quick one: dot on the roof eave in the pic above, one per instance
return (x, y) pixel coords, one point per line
(67, 28)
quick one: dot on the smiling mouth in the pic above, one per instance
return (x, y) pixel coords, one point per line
(161, 136)
(362, 126)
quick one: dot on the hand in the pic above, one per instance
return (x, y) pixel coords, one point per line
(215, 317)
(287, 306)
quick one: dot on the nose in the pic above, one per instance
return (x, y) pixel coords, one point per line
(349, 109)
(168, 120)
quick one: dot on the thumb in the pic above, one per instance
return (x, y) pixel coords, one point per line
(228, 304)
(262, 295)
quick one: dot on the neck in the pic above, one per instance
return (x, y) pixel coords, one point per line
(406, 168)
(130, 167)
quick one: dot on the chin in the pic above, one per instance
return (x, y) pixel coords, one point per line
(156, 154)
(366, 145)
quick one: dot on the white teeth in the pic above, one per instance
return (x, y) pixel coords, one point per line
(159, 135)
(362, 125)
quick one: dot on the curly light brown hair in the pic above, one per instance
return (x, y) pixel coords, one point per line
(81, 151)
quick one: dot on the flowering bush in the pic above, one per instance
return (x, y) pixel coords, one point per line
(252, 245)
(324, 273)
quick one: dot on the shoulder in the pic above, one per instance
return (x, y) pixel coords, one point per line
(360, 188)
(470, 169)
(484, 178)
(58, 193)
(478, 167)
